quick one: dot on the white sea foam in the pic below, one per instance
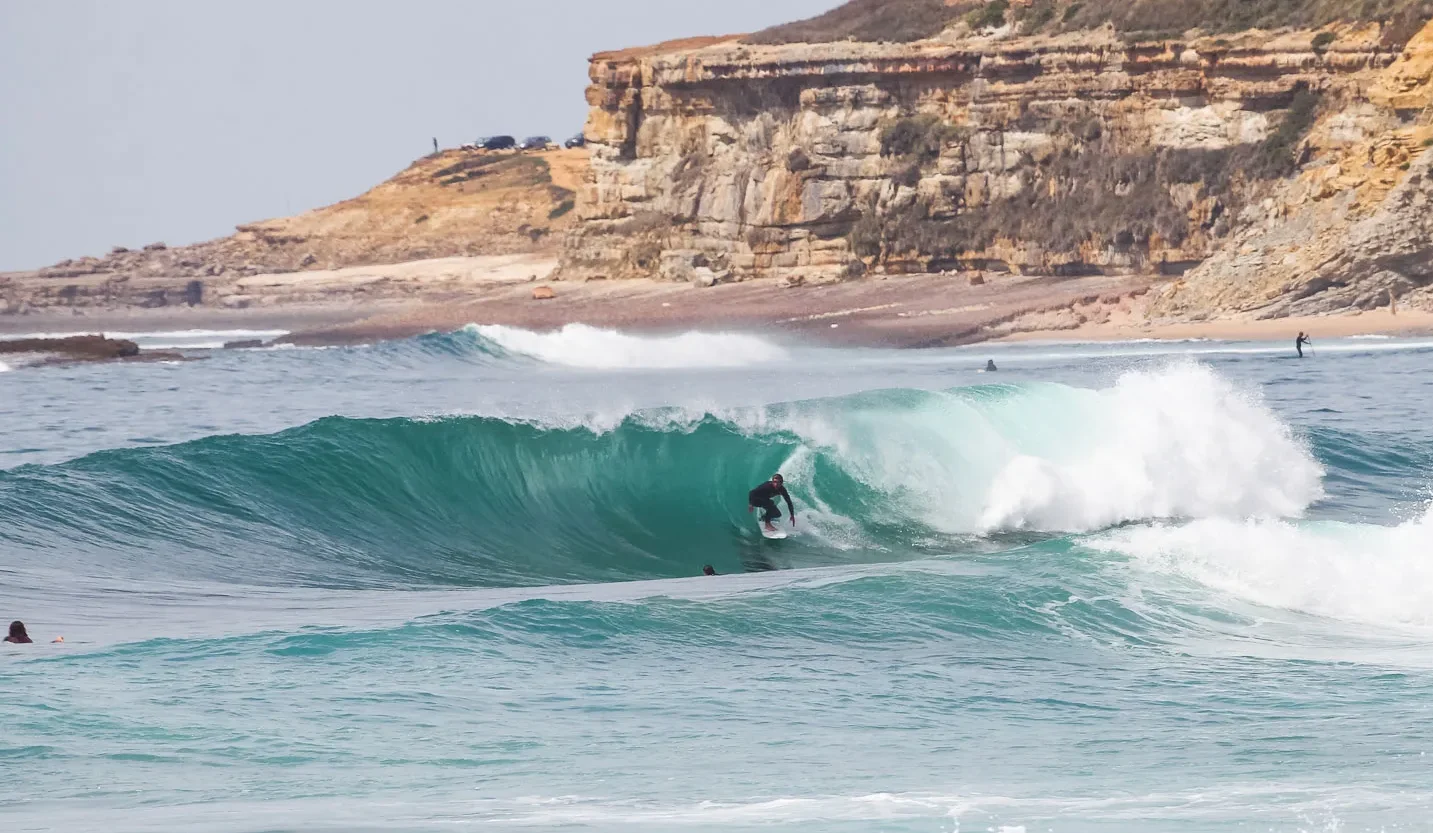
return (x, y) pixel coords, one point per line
(1363, 573)
(578, 345)
(1179, 442)
(4, 367)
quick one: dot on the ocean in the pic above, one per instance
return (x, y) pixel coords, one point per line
(455, 582)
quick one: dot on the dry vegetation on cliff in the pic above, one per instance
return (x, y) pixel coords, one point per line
(909, 20)
(1088, 194)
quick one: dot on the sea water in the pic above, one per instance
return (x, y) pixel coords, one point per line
(455, 582)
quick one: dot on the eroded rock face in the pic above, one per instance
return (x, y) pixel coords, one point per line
(1080, 154)
(1353, 231)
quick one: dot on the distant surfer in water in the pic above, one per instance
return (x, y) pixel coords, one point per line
(763, 498)
(709, 570)
(1300, 342)
(990, 366)
(18, 635)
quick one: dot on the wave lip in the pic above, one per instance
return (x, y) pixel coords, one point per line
(582, 346)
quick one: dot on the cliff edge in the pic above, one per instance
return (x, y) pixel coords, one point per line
(1255, 171)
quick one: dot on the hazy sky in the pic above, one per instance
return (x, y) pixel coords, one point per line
(124, 123)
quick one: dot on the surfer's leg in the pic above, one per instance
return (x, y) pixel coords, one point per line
(769, 512)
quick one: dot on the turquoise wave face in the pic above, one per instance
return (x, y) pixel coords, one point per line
(485, 502)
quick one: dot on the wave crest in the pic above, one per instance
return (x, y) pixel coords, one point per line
(578, 345)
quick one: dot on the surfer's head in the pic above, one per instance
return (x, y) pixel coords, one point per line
(17, 632)
(777, 479)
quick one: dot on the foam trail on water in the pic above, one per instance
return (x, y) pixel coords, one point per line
(1362, 573)
(4, 367)
(578, 345)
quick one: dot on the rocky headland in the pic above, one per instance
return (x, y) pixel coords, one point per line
(450, 221)
(911, 171)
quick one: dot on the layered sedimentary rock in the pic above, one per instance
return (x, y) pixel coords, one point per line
(1352, 231)
(1082, 153)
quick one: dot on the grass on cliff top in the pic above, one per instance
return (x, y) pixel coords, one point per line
(909, 20)
(899, 21)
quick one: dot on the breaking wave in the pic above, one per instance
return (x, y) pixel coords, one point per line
(479, 501)
(578, 345)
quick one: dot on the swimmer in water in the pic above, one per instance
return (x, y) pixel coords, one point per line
(18, 636)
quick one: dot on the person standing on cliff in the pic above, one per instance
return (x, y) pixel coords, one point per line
(435, 144)
(1300, 342)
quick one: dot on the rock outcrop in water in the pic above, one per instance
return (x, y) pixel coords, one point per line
(1209, 156)
(71, 348)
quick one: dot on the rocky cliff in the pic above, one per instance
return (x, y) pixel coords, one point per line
(982, 150)
(458, 203)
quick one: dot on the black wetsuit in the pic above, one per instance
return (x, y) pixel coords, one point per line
(1299, 345)
(763, 498)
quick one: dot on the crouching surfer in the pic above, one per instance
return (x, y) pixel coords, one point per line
(763, 498)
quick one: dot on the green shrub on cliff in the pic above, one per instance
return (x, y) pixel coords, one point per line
(989, 16)
(918, 139)
(866, 234)
(1036, 16)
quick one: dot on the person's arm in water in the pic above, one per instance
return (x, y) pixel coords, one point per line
(790, 510)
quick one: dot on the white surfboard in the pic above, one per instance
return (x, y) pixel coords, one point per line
(779, 534)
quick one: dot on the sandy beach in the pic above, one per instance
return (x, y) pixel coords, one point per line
(1375, 322)
(364, 304)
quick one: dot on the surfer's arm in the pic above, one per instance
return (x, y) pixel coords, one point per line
(790, 510)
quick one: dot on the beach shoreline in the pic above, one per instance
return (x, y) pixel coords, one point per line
(895, 311)
(1408, 323)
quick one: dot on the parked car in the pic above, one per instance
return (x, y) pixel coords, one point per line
(536, 143)
(499, 143)
(578, 141)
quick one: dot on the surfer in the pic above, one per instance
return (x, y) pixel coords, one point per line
(990, 366)
(18, 635)
(763, 498)
(709, 570)
(1300, 342)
